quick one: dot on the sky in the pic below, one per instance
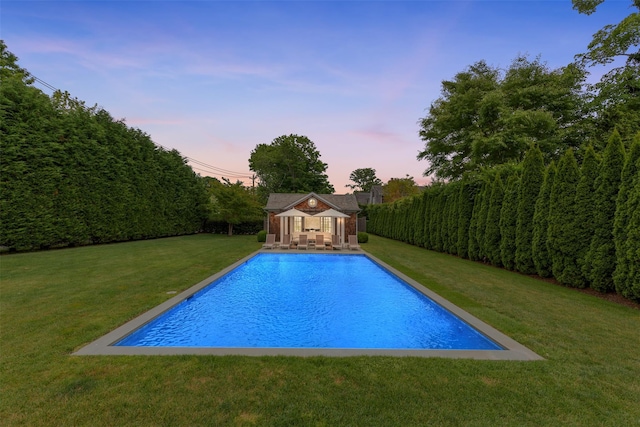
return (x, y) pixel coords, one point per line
(213, 79)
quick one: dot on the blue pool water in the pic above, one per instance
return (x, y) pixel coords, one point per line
(309, 301)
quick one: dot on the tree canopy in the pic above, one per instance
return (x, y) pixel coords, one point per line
(487, 117)
(290, 164)
(613, 40)
(363, 180)
(232, 203)
(398, 188)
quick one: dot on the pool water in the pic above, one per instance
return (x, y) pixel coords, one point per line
(309, 301)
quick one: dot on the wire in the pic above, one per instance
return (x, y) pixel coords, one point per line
(210, 169)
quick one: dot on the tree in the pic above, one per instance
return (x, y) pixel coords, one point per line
(616, 100)
(561, 238)
(613, 40)
(508, 220)
(601, 258)
(485, 117)
(532, 178)
(398, 188)
(232, 203)
(539, 247)
(631, 252)
(492, 230)
(585, 210)
(364, 179)
(290, 164)
(625, 206)
(466, 198)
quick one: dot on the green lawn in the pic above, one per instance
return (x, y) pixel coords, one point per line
(55, 302)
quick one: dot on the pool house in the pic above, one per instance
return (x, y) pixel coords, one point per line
(312, 214)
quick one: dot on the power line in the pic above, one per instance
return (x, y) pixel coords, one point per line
(210, 169)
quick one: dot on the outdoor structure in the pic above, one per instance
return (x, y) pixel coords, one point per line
(312, 214)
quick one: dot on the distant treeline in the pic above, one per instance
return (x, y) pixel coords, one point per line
(72, 175)
(576, 221)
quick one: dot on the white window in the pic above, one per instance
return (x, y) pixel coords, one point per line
(327, 224)
(297, 223)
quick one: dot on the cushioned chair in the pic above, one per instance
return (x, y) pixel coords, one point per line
(353, 242)
(270, 243)
(303, 243)
(286, 242)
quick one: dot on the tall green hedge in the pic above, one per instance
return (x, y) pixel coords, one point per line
(542, 221)
(73, 175)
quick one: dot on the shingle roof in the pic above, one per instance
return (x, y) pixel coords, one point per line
(283, 201)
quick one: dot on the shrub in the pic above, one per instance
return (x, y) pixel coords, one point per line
(363, 237)
(601, 259)
(532, 179)
(262, 236)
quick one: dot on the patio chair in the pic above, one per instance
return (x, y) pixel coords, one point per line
(270, 243)
(353, 242)
(320, 241)
(286, 242)
(302, 242)
(335, 242)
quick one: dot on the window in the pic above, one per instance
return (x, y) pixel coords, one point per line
(327, 224)
(297, 223)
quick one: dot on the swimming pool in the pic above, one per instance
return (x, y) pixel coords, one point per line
(309, 304)
(309, 301)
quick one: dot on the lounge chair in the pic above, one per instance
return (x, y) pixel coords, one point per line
(303, 242)
(320, 241)
(270, 243)
(286, 242)
(335, 242)
(353, 242)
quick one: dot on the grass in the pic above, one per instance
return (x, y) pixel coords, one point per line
(52, 303)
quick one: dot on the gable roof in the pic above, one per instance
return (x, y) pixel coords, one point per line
(339, 202)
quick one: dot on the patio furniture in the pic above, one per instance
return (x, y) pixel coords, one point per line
(286, 242)
(335, 242)
(320, 241)
(353, 242)
(270, 243)
(303, 242)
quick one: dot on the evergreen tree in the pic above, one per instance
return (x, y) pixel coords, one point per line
(585, 209)
(601, 259)
(532, 178)
(508, 219)
(452, 216)
(437, 219)
(624, 212)
(474, 246)
(418, 237)
(632, 246)
(539, 249)
(492, 230)
(481, 224)
(465, 212)
(561, 237)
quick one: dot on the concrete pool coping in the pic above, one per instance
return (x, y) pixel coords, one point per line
(512, 350)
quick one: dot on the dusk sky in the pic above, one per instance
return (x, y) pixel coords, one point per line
(213, 79)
